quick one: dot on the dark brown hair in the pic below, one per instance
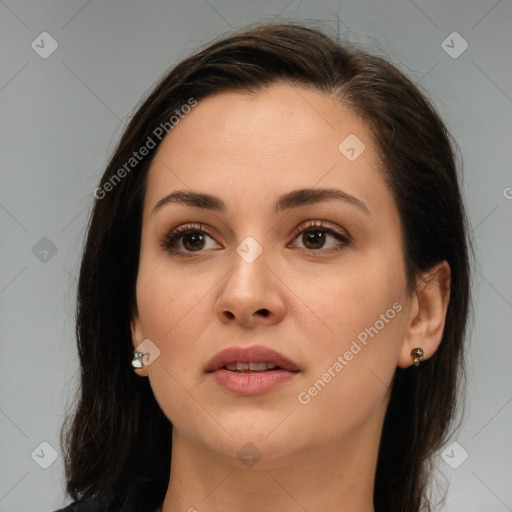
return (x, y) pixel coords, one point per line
(118, 435)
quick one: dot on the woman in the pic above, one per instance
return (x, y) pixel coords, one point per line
(274, 290)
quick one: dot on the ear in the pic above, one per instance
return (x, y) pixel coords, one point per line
(427, 314)
(137, 337)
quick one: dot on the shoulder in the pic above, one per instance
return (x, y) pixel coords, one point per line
(140, 497)
(111, 503)
(91, 506)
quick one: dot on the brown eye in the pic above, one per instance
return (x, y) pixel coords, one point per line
(316, 234)
(193, 241)
(313, 239)
(187, 239)
(191, 238)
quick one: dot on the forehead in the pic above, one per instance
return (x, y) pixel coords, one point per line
(250, 146)
(281, 116)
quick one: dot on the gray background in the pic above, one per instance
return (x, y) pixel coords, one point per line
(62, 115)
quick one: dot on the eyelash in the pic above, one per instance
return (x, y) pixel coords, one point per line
(169, 240)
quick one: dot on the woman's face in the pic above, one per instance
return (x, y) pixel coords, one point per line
(329, 296)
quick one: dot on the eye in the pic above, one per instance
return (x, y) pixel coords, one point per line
(315, 233)
(192, 236)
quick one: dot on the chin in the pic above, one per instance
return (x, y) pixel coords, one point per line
(265, 436)
(257, 451)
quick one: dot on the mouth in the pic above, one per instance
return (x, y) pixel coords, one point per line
(242, 367)
(251, 371)
(257, 358)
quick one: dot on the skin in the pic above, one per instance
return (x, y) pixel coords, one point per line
(248, 150)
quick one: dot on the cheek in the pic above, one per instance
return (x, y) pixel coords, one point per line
(364, 309)
(360, 294)
(351, 371)
(168, 301)
(173, 311)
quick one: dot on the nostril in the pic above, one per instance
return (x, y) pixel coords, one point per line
(264, 312)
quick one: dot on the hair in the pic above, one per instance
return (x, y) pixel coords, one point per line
(118, 435)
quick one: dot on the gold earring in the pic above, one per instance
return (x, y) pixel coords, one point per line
(416, 353)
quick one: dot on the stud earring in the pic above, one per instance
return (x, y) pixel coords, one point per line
(137, 359)
(416, 354)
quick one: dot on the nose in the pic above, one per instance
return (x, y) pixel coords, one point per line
(250, 294)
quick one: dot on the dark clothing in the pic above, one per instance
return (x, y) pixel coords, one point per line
(140, 497)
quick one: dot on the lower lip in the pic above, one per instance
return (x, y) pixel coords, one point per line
(249, 384)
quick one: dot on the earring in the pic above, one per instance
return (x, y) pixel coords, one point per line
(137, 359)
(416, 353)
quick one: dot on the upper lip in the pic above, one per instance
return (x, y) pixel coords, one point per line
(254, 354)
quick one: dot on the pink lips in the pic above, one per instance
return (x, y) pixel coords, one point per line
(254, 354)
(248, 384)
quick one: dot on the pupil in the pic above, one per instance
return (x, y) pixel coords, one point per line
(314, 237)
(196, 238)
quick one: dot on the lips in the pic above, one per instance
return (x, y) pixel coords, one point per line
(254, 354)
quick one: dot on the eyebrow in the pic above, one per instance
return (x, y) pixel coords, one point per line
(288, 201)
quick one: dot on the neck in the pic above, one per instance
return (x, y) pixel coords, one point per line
(333, 476)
